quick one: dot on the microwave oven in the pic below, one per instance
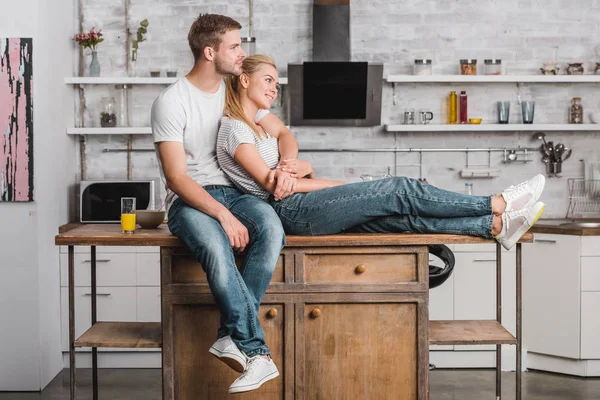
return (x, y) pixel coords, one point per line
(100, 201)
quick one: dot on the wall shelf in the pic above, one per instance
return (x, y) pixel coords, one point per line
(124, 80)
(141, 130)
(493, 78)
(492, 127)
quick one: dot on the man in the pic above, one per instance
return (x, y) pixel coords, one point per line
(204, 209)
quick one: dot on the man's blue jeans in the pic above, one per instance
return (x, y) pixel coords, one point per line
(238, 293)
(395, 204)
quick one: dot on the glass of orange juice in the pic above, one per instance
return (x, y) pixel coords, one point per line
(128, 214)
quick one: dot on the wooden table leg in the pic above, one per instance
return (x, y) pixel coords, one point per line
(499, 319)
(72, 322)
(94, 319)
(519, 321)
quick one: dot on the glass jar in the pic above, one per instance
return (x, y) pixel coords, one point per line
(469, 188)
(422, 66)
(108, 116)
(123, 117)
(576, 112)
(452, 107)
(492, 67)
(468, 67)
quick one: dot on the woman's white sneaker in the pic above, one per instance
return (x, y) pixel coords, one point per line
(516, 223)
(525, 194)
(228, 352)
(259, 371)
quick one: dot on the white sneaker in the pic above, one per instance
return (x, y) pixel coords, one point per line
(228, 352)
(516, 223)
(525, 194)
(258, 372)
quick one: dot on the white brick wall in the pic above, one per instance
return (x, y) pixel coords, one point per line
(522, 33)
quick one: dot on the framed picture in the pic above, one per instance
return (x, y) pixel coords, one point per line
(16, 120)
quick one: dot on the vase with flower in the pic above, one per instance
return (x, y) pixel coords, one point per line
(91, 40)
(139, 37)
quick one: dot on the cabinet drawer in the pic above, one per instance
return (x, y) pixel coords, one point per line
(590, 245)
(590, 274)
(374, 267)
(113, 304)
(112, 269)
(147, 267)
(185, 269)
(148, 304)
(99, 249)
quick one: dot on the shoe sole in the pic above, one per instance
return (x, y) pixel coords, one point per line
(525, 228)
(247, 388)
(233, 361)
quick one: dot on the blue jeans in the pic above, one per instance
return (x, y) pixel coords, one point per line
(237, 292)
(395, 204)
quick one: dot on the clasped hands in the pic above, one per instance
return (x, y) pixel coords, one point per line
(286, 174)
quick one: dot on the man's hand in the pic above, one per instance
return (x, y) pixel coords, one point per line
(286, 185)
(297, 168)
(236, 232)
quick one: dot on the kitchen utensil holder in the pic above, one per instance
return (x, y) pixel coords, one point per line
(584, 198)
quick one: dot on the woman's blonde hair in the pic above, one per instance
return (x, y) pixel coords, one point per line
(233, 101)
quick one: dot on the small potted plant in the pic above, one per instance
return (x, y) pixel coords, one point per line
(91, 40)
(139, 37)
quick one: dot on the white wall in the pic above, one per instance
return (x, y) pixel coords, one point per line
(30, 354)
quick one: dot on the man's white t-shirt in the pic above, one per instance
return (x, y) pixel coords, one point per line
(183, 113)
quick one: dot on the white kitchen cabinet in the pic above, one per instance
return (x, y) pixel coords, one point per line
(561, 299)
(148, 304)
(112, 269)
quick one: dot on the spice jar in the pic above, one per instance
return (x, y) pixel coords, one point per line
(492, 67)
(422, 66)
(468, 67)
(576, 112)
(108, 116)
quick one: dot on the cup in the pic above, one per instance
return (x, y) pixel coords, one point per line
(425, 117)
(128, 214)
(527, 109)
(503, 112)
(409, 117)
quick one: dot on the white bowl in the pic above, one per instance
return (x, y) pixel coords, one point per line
(595, 117)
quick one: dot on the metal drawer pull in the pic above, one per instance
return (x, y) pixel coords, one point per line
(98, 261)
(272, 313)
(97, 294)
(360, 268)
(544, 241)
(484, 260)
(315, 313)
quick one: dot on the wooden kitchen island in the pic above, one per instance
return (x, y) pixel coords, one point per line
(345, 317)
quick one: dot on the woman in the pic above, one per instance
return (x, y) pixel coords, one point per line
(247, 154)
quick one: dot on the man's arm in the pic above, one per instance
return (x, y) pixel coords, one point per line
(172, 159)
(288, 146)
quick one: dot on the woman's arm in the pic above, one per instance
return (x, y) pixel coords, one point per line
(249, 158)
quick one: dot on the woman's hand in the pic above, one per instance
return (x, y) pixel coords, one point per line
(297, 168)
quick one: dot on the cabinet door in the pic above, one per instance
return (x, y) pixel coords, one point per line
(590, 325)
(358, 351)
(197, 374)
(551, 295)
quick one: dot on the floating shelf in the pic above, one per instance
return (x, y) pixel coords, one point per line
(142, 130)
(491, 127)
(494, 78)
(122, 335)
(124, 80)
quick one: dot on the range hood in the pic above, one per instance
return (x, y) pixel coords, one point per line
(331, 90)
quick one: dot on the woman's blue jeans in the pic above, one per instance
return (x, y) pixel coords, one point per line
(237, 292)
(395, 204)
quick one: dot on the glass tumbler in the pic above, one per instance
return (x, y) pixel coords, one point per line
(128, 214)
(528, 108)
(503, 112)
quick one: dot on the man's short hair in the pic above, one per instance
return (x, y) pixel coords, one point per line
(208, 30)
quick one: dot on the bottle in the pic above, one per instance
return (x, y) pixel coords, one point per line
(469, 188)
(576, 112)
(452, 107)
(463, 107)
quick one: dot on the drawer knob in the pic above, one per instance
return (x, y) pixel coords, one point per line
(360, 268)
(315, 313)
(272, 313)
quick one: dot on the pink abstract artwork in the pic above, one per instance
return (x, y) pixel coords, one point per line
(16, 120)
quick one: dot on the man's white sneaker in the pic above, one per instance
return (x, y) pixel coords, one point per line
(258, 372)
(516, 223)
(525, 194)
(227, 351)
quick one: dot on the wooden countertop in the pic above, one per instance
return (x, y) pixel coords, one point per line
(110, 235)
(542, 227)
